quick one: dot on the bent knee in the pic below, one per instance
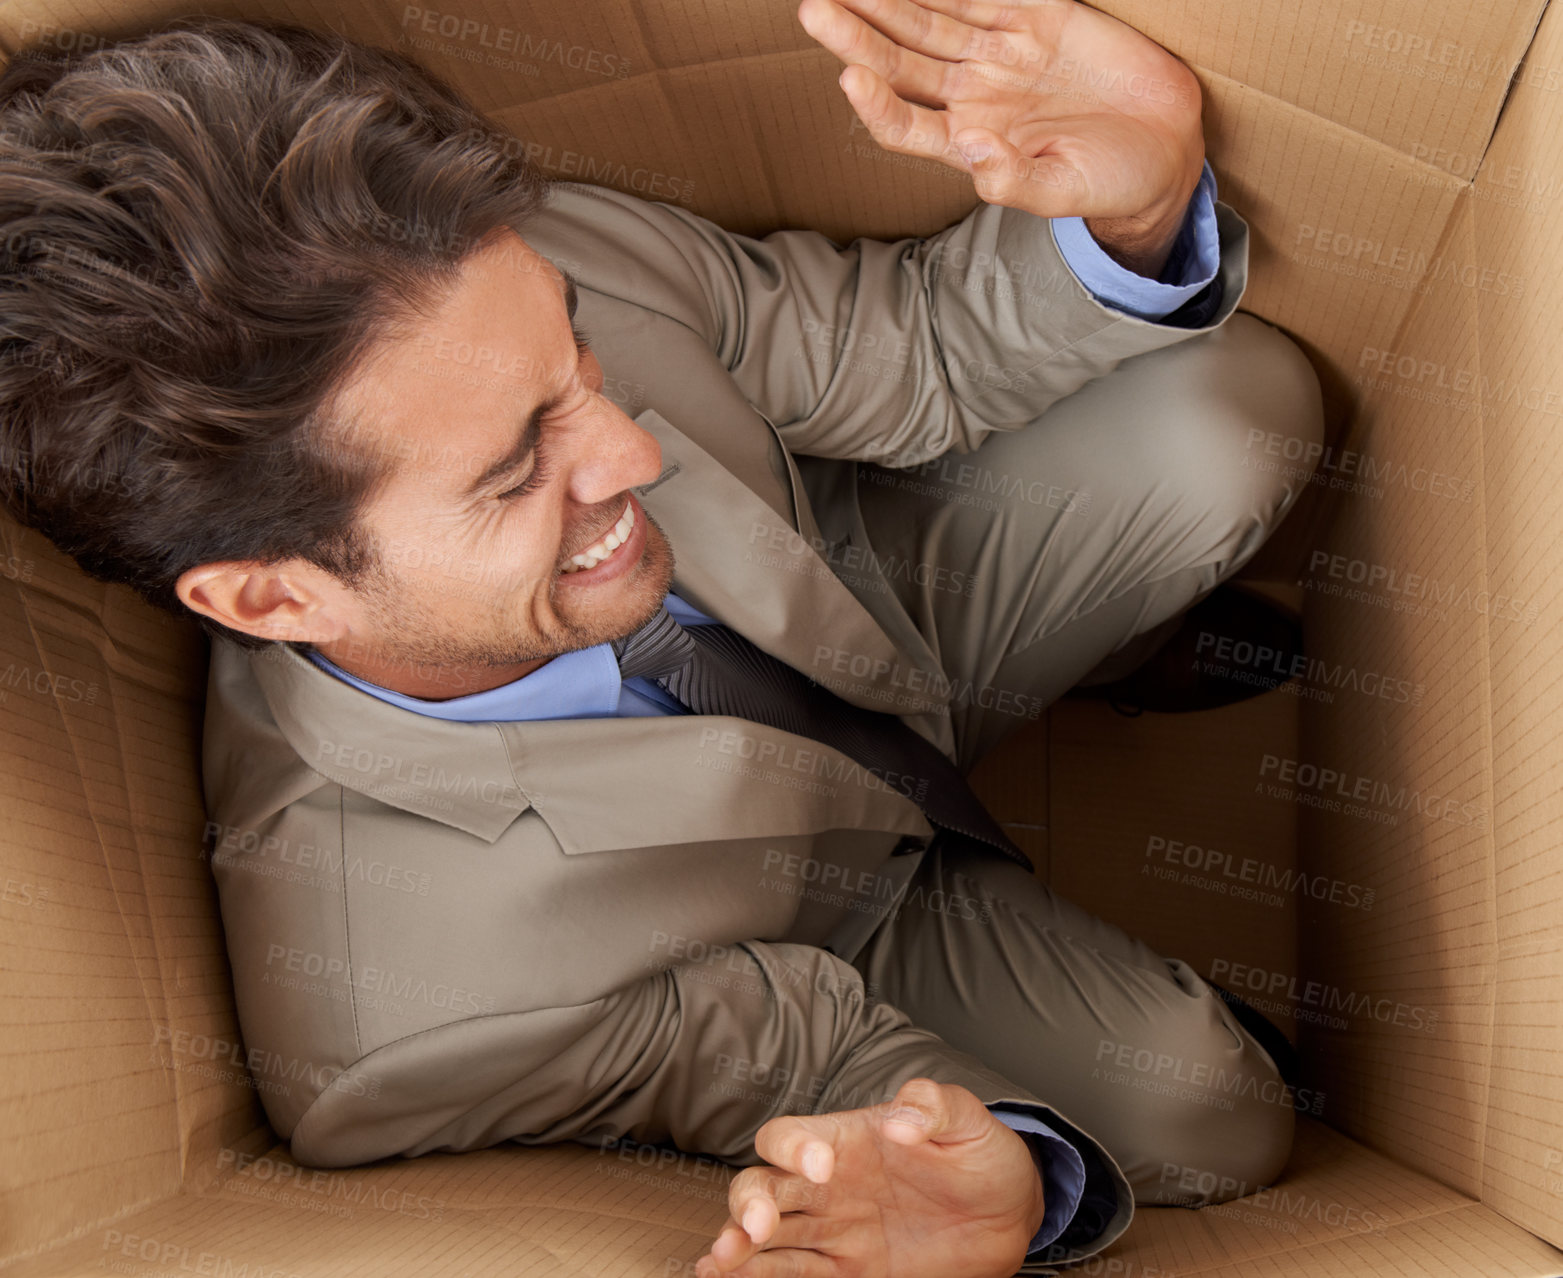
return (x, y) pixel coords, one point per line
(1222, 1156)
(1282, 392)
(1222, 1128)
(1241, 433)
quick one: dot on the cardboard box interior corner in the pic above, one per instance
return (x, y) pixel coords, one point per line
(1403, 186)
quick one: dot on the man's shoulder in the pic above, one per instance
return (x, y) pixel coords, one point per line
(249, 768)
(278, 728)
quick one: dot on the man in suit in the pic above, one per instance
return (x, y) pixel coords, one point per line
(481, 880)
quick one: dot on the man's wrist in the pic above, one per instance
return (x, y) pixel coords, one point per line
(1036, 1211)
(1143, 243)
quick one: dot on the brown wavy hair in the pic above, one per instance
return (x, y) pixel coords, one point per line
(202, 230)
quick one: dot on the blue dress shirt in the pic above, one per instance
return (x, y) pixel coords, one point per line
(585, 684)
(1196, 254)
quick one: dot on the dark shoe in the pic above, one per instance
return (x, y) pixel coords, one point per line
(1264, 1032)
(1231, 645)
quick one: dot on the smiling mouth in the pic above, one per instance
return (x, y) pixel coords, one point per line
(606, 545)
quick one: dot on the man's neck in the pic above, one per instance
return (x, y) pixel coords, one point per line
(426, 682)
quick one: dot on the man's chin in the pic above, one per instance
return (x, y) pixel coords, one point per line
(646, 586)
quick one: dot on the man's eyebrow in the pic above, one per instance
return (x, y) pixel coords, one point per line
(523, 447)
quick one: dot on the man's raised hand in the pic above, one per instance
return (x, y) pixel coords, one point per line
(1082, 115)
(927, 1185)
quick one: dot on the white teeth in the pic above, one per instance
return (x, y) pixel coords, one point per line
(616, 537)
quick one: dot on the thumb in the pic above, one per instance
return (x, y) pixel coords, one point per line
(924, 1110)
(1002, 174)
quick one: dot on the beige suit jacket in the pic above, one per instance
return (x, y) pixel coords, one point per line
(445, 935)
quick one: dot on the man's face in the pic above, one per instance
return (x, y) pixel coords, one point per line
(510, 467)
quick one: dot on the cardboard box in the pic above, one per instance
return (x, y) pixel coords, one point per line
(1372, 857)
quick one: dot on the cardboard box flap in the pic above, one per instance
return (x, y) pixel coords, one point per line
(1518, 202)
(1426, 78)
(112, 955)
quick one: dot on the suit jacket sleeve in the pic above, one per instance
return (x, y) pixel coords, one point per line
(702, 1055)
(892, 351)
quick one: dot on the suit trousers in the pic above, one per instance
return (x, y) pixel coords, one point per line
(1087, 533)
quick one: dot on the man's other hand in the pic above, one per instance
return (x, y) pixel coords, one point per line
(928, 1185)
(1081, 115)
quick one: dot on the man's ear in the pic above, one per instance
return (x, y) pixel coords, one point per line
(293, 601)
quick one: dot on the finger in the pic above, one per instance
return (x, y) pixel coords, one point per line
(733, 1246)
(894, 124)
(856, 43)
(1017, 15)
(804, 1230)
(780, 1191)
(759, 1198)
(1045, 185)
(802, 1146)
(923, 29)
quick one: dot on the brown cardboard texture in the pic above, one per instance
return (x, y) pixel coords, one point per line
(1371, 856)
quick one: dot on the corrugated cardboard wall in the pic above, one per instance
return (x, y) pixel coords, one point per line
(1458, 593)
(1426, 79)
(122, 1065)
(1411, 978)
(1519, 228)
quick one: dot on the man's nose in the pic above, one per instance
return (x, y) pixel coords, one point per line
(610, 453)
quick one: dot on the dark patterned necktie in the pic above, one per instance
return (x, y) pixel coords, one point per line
(713, 669)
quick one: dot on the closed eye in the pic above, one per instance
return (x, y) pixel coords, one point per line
(540, 473)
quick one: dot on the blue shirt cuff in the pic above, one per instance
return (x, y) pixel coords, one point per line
(1062, 1171)
(1195, 258)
